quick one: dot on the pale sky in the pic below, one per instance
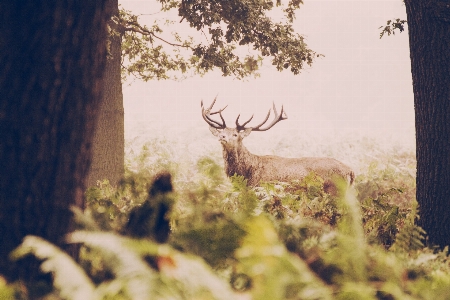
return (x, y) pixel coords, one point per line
(362, 86)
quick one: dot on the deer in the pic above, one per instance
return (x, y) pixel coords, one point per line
(257, 169)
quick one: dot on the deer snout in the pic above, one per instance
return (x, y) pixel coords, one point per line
(223, 138)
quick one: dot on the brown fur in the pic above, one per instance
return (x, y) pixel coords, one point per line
(256, 169)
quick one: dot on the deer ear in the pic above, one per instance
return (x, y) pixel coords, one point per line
(246, 132)
(214, 131)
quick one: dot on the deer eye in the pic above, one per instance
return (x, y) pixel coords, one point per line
(234, 134)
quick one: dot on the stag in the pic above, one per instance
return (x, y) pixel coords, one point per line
(256, 169)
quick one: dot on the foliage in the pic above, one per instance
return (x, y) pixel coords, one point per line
(69, 279)
(6, 291)
(229, 241)
(391, 26)
(179, 276)
(386, 194)
(225, 27)
(411, 237)
(275, 273)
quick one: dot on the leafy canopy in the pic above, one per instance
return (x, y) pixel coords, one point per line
(227, 28)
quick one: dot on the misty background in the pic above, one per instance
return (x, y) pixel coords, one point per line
(362, 88)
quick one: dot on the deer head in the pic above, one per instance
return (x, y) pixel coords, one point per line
(231, 137)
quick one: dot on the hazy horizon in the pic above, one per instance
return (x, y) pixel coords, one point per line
(361, 87)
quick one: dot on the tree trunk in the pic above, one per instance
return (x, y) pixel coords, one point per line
(52, 57)
(429, 38)
(108, 144)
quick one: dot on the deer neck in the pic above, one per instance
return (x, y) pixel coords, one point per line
(238, 160)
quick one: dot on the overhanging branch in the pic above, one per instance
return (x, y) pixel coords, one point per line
(136, 27)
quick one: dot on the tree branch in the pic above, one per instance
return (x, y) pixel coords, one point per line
(136, 27)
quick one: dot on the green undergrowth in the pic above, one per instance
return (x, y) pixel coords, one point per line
(281, 240)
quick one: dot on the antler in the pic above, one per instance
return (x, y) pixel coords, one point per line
(278, 118)
(206, 114)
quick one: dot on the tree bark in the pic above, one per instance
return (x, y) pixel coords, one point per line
(108, 152)
(52, 57)
(429, 38)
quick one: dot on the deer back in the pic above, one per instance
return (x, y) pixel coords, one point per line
(275, 168)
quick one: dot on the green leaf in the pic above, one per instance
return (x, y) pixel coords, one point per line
(68, 277)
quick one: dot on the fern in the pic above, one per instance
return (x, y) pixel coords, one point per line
(351, 241)
(382, 219)
(6, 291)
(411, 236)
(211, 170)
(356, 291)
(277, 241)
(275, 273)
(129, 268)
(68, 277)
(180, 276)
(245, 196)
(194, 278)
(214, 240)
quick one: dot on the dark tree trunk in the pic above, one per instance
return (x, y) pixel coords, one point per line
(52, 56)
(429, 38)
(108, 144)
